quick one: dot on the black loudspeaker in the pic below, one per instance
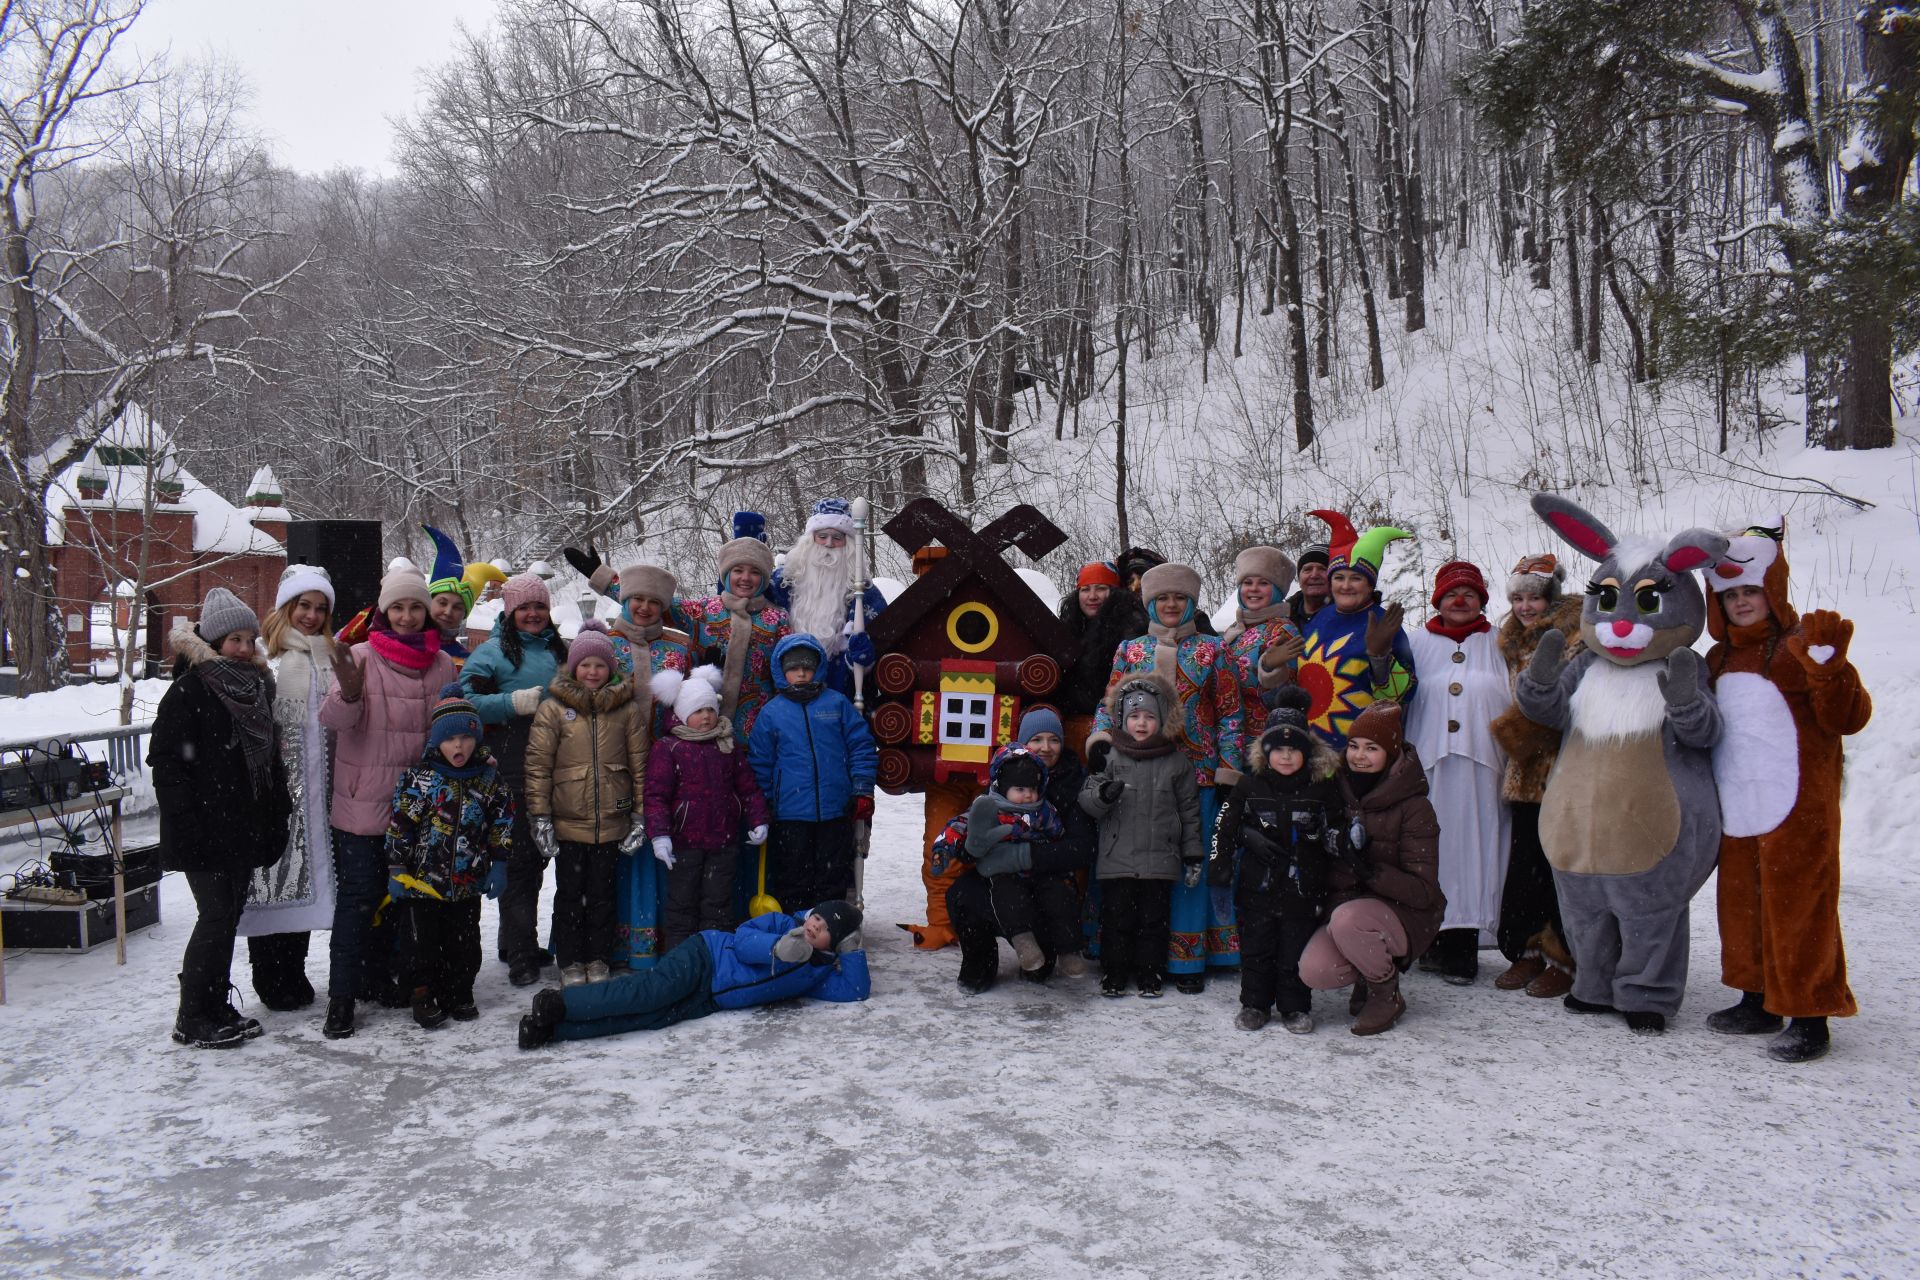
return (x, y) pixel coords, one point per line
(349, 550)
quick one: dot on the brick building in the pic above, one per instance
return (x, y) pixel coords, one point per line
(131, 500)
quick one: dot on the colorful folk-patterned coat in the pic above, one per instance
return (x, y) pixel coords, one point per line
(1245, 648)
(1207, 702)
(671, 650)
(709, 624)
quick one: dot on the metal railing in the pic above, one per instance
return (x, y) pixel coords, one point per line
(123, 747)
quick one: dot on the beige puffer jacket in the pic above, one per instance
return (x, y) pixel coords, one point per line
(587, 760)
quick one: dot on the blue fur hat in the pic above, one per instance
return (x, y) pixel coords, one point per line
(831, 513)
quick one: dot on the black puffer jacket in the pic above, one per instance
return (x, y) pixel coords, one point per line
(1280, 827)
(1075, 849)
(1084, 685)
(210, 819)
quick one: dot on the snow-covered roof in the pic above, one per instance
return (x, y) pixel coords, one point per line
(135, 455)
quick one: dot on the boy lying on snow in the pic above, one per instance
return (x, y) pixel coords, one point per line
(771, 957)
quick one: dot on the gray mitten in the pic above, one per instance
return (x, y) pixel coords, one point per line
(1014, 856)
(1544, 669)
(984, 828)
(793, 947)
(1680, 682)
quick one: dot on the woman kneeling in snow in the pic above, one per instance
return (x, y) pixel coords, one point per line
(770, 957)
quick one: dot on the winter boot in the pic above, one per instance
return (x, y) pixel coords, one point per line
(1804, 1040)
(1383, 1008)
(1357, 998)
(1299, 1024)
(1646, 1024)
(525, 971)
(426, 1009)
(1552, 984)
(1748, 1018)
(597, 971)
(1520, 973)
(1574, 1004)
(1113, 985)
(203, 1029)
(1458, 954)
(979, 962)
(1026, 949)
(572, 975)
(1189, 984)
(533, 1033)
(1150, 986)
(460, 1007)
(549, 1011)
(249, 1027)
(1038, 977)
(1074, 965)
(1251, 1019)
(339, 1023)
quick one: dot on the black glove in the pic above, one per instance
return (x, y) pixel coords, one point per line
(1111, 790)
(583, 562)
(1258, 841)
(1359, 863)
(1097, 756)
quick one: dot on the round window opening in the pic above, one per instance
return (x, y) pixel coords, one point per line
(972, 627)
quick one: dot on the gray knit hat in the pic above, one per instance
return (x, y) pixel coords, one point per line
(1139, 697)
(222, 613)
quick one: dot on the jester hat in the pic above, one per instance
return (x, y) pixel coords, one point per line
(1360, 552)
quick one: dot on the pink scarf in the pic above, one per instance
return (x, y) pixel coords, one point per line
(412, 653)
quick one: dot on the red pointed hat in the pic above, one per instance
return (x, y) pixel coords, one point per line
(1343, 534)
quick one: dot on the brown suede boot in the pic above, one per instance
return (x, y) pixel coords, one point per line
(1551, 985)
(1357, 999)
(1383, 1008)
(1520, 973)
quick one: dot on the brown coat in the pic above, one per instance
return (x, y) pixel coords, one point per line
(1531, 747)
(587, 760)
(1403, 843)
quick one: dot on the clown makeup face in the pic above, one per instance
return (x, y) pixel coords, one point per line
(1351, 590)
(1528, 606)
(1255, 592)
(1093, 596)
(1746, 605)
(1170, 609)
(309, 613)
(449, 611)
(1460, 606)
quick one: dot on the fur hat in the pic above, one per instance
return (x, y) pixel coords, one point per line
(1287, 724)
(594, 641)
(1541, 575)
(1459, 573)
(1381, 723)
(746, 551)
(524, 588)
(1097, 573)
(452, 717)
(300, 579)
(842, 918)
(688, 694)
(1039, 720)
(1270, 563)
(830, 513)
(1163, 579)
(222, 613)
(402, 584)
(750, 524)
(650, 581)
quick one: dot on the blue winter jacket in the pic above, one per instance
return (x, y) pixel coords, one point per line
(489, 681)
(811, 758)
(839, 674)
(746, 973)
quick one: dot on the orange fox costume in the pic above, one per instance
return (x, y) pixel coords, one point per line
(1788, 695)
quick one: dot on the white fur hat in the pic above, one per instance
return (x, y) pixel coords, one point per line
(688, 694)
(300, 579)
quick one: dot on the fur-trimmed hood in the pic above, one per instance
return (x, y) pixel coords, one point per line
(1322, 760)
(608, 697)
(1519, 639)
(1163, 696)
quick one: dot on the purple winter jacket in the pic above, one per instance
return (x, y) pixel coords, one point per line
(698, 794)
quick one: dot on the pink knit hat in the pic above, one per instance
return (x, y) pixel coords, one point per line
(524, 588)
(592, 642)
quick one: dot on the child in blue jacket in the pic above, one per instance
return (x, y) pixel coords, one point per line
(770, 957)
(815, 761)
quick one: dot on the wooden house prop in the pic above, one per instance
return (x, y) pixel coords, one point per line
(965, 649)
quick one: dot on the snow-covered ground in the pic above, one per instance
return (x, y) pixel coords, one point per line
(1024, 1132)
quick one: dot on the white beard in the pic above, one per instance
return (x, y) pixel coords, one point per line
(817, 586)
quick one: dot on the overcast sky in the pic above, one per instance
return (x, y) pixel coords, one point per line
(326, 75)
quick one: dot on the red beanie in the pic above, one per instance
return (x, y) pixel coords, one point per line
(1097, 573)
(1459, 573)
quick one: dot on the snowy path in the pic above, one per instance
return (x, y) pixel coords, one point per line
(1025, 1132)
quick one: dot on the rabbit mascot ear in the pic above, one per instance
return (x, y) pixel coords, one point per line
(1577, 526)
(1695, 549)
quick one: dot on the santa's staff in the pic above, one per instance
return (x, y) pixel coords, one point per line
(862, 832)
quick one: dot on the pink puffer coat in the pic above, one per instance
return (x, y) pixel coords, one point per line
(379, 736)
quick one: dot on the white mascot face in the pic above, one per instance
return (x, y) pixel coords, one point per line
(1750, 553)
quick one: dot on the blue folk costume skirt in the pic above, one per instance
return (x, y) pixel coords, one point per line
(1202, 932)
(639, 889)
